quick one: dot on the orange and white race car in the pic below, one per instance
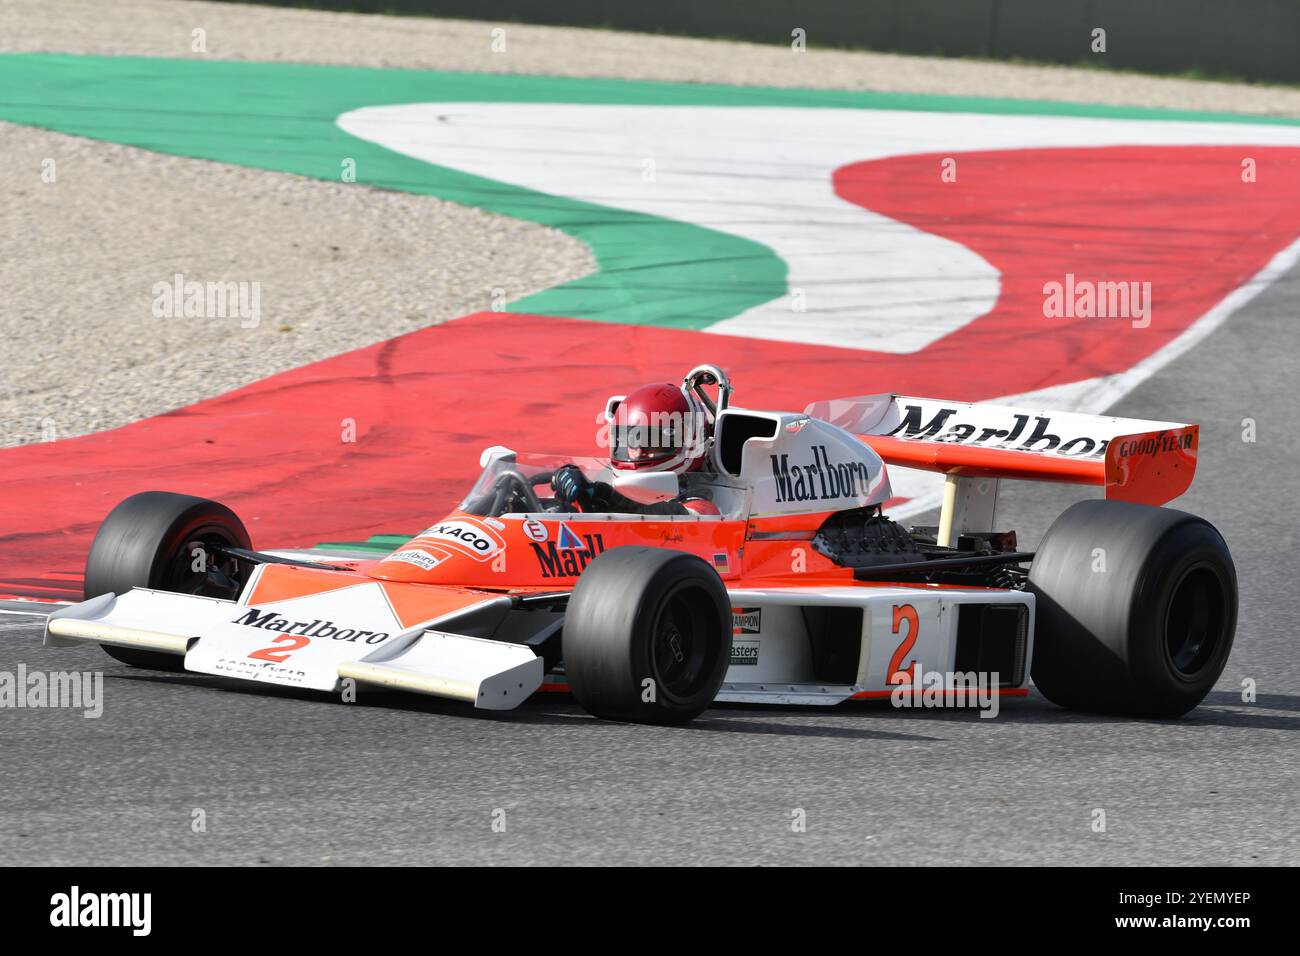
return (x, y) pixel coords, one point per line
(775, 577)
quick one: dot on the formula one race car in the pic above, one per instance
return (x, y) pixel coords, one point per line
(792, 587)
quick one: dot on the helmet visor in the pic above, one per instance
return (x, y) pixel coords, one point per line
(644, 445)
(662, 439)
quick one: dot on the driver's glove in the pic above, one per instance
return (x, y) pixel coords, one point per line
(571, 486)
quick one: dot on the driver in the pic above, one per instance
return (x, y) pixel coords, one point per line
(659, 427)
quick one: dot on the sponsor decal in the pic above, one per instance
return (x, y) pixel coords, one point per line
(569, 562)
(534, 530)
(1041, 438)
(746, 620)
(821, 479)
(721, 562)
(568, 541)
(421, 559)
(744, 654)
(273, 621)
(247, 670)
(471, 537)
(1155, 444)
(797, 425)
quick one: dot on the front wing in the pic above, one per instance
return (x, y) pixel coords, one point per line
(315, 640)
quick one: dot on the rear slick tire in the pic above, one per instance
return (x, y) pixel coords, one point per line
(1136, 609)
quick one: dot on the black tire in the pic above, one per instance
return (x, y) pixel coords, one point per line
(1147, 636)
(144, 543)
(647, 614)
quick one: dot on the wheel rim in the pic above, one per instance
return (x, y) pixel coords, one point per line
(1194, 621)
(219, 576)
(682, 650)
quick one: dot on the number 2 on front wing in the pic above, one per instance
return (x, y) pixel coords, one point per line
(277, 653)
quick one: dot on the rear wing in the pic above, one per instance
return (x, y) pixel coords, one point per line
(1134, 460)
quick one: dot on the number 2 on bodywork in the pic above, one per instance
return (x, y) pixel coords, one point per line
(897, 673)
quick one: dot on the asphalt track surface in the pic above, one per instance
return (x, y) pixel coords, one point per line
(295, 778)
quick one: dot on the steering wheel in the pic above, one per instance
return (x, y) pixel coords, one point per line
(511, 490)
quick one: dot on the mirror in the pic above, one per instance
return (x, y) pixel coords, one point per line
(492, 454)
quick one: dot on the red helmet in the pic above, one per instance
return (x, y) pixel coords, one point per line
(658, 428)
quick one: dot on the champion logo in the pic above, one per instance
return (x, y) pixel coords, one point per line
(746, 620)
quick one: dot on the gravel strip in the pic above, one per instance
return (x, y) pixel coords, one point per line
(337, 266)
(241, 32)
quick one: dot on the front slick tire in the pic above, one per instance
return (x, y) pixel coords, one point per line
(147, 542)
(647, 636)
(1136, 609)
